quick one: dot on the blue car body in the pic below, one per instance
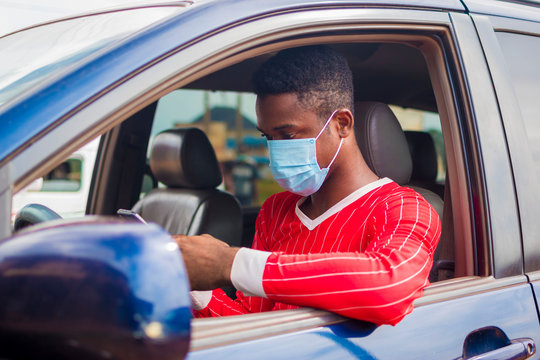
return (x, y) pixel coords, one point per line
(491, 308)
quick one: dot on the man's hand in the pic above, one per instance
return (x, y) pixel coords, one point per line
(208, 261)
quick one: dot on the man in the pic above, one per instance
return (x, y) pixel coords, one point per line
(340, 238)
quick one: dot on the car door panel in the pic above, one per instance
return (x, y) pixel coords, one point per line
(432, 331)
(440, 329)
(521, 151)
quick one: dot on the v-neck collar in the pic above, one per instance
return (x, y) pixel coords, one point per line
(346, 201)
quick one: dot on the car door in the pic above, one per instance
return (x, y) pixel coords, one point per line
(490, 298)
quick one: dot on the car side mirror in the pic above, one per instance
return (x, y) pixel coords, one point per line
(94, 288)
(32, 214)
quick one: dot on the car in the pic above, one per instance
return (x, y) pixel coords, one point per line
(65, 188)
(464, 73)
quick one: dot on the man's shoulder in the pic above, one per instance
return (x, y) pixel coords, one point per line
(398, 196)
(393, 189)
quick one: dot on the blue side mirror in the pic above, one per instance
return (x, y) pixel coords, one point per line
(93, 289)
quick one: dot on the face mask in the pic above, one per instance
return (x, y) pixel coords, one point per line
(294, 163)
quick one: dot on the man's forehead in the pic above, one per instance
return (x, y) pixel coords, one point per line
(282, 110)
(278, 102)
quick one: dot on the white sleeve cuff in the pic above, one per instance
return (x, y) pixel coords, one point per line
(200, 299)
(247, 271)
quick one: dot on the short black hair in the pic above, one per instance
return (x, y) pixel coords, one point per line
(319, 76)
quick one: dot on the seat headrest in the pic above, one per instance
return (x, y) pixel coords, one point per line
(382, 141)
(184, 158)
(424, 155)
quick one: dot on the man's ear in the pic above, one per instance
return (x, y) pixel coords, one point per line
(345, 121)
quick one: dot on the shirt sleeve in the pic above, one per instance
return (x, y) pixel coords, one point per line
(222, 305)
(377, 285)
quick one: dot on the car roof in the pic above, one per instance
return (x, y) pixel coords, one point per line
(128, 5)
(45, 103)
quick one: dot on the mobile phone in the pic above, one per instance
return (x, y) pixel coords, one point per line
(131, 215)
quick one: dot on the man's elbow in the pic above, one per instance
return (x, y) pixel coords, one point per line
(387, 307)
(390, 314)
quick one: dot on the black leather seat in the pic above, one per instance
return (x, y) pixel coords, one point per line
(184, 160)
(424, 159)
(386, 151)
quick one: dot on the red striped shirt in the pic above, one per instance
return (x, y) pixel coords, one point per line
(368, 257)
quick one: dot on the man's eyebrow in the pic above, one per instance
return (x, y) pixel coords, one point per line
(282, 127)
(278, 128)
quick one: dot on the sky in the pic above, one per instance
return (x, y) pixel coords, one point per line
(17, 14)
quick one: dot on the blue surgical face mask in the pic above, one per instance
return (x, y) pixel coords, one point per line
(294, 164)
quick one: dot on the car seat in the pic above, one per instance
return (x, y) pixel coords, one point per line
(184, 161)
(386, 151)
(424, 159)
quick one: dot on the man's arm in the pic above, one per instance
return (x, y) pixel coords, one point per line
(216, 303)
(208, 260)
(209, 264)
(378, 284)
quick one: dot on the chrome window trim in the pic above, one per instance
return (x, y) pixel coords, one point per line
(466, 286)
(213, 332)
(519, 26)
(534, 276)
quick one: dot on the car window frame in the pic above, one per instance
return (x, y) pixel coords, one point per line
(449, 101)
(465, 216)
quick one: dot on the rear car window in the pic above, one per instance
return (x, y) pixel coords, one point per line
(522, 54)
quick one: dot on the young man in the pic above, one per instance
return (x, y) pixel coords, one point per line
(339, 238)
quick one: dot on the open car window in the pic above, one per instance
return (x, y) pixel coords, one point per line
(229, 120)
(223, 106)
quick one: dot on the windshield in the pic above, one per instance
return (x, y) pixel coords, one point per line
(31, 55)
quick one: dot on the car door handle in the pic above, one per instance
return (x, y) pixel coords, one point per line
(517, 350)
(491, 343)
